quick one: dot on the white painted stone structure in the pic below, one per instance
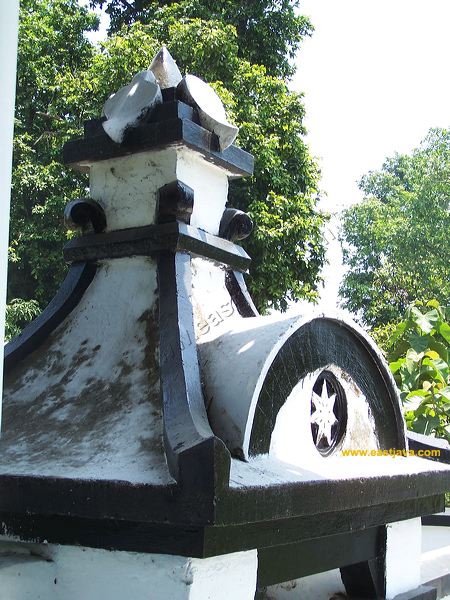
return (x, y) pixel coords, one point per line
(8, 54)
(163, 440)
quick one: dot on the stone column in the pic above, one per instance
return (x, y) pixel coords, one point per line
(403, 554)
(8, 59)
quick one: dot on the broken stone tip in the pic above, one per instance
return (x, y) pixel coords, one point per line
(165, 69)
(130, 104)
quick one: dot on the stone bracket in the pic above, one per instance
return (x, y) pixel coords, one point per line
(84, 212)
(196, 458)
(175, 203)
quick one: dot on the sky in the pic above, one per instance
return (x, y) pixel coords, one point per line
(375, 78)
(375, 75)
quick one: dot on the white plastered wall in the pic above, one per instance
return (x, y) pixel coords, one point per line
(8, 59)
(403, 555)
(127, 187)
(51, 572)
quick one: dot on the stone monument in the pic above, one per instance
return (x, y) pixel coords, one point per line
(161, 440)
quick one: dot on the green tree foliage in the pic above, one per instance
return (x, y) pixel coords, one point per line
(269, 32)
(418, 351)
(52, 52)
(64, 80)
(396, 241)
(18, 314)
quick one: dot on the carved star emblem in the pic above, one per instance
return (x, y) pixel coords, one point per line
(323, 415)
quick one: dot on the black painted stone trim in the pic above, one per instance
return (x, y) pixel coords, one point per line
(345, 496)
(78, 279)
(316, 345)
(167, 110)
(440, 519)
(173, 130)
(417, 441)
(235, 284)
(196, 458)
(151, 239)
(107, 534)
(198, 539)
(292, 561)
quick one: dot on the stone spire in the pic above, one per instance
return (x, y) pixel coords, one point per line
(135, 102)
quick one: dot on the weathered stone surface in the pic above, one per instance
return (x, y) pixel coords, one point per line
(125, 108)
(211, 111)
(165, 69)
(88, 405)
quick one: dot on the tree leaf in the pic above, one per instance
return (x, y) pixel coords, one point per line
(425, 322)
(444, 330)
(425, 424)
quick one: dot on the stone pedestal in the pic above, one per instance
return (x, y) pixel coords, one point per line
(51, 572)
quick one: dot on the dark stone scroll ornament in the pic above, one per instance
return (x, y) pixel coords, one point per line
(235, 225)
(84, 213)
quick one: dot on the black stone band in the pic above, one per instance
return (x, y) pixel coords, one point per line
(149, 240)
(172, 129)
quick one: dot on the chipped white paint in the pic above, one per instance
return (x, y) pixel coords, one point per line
(90, 405)
(235, 364)
(127, 187)
(211, 111)
(403, 556)
(8, 56)
(26, 577)
(165, 69)
(51, 572)
(130, 104)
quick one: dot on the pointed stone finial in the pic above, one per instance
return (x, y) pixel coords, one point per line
(125, 108)
(165, 69)
(211, 111)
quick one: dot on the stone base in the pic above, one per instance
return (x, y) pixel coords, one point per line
(50, 572)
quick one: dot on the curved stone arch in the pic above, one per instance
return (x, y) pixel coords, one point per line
(250, 370)
(313, 347)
